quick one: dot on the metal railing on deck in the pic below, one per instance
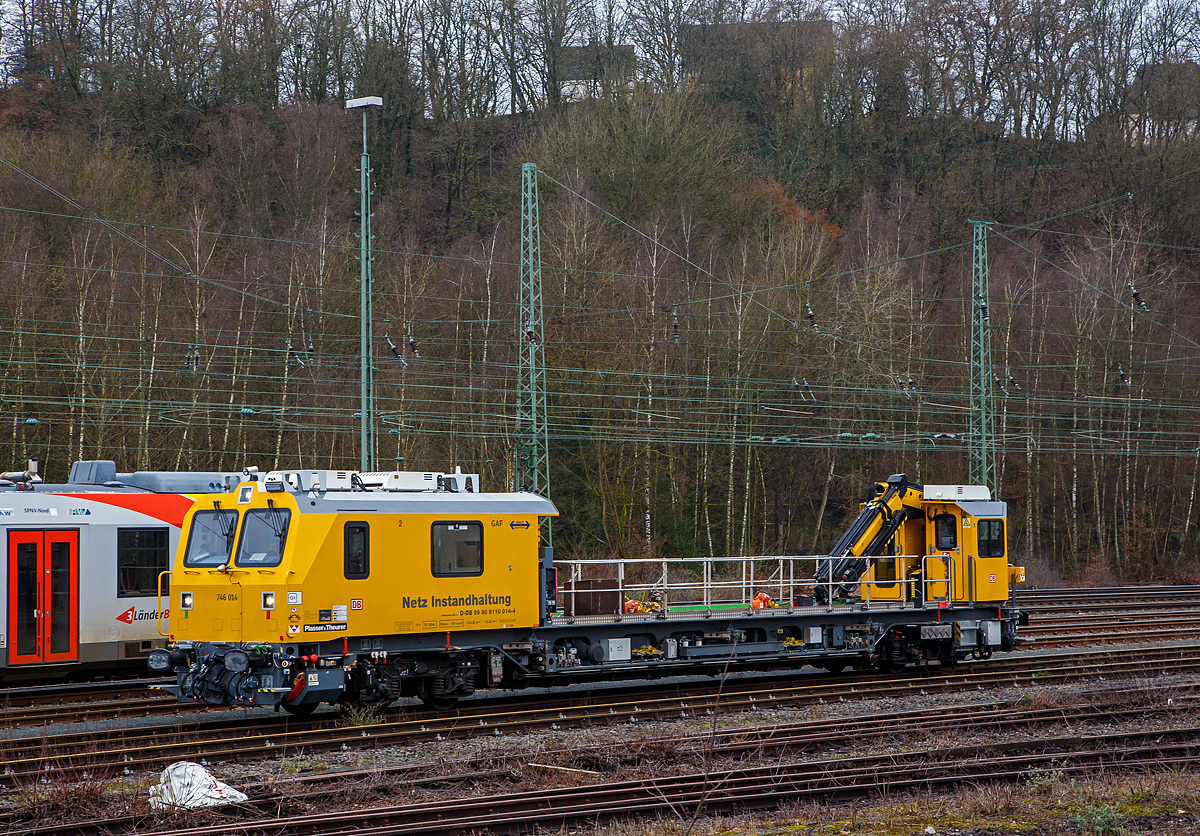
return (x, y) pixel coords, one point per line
(603, 587)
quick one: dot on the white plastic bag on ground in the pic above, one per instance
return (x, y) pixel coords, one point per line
(185, 785)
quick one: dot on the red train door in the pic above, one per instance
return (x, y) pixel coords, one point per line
(43, 596)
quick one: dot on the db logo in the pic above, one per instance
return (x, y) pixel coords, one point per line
(356, 603)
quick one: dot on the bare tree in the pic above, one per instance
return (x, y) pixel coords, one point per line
(658, 27)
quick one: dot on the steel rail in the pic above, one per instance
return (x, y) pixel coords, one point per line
(153, 747)
(739, 742)
(1123, 621)
(741, 788)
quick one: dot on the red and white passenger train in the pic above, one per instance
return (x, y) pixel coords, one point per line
(80, 577)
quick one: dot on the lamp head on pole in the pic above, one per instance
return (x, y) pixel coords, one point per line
(365, 101)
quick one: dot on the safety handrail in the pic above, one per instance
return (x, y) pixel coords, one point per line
(158, 603)
(713, 582)
(971, 578)
(709, 582)
(948, 562)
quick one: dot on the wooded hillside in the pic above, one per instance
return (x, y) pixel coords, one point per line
(755, 240)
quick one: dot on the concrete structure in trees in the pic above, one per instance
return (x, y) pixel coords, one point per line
(751, 57)
(1163, 103)
(597, 70)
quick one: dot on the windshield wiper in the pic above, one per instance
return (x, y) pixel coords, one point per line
(228, 522)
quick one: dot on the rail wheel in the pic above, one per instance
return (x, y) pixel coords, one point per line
(438, 702)
(889, 666)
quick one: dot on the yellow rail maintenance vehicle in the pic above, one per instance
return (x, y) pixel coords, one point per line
(303, 587)
(287, 568)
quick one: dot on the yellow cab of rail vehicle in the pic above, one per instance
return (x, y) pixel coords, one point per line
(949, 547)
(299, 558)
(911, 543)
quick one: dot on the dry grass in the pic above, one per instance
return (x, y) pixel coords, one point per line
(73, 787)
(1048, 802)
(1164, 804)
(353, 716)
(622, 754)
(58, 800)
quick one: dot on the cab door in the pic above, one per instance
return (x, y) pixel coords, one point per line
(43, 591)
(944, 562)
(990, 577)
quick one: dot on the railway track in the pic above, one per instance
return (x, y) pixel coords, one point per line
(75, 692)
(732, 785)
(740, 788)
(1065, 597)
(1060, 618)
(237, 739)
(1092, 616)
(135, 704)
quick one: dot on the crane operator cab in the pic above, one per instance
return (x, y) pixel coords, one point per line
(950, 547)
(923, 545)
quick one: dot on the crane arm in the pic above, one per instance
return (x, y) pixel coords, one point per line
(867, 536)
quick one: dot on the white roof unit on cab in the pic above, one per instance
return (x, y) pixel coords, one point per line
(411, 480)
(952, 493)
(397, 481)
(402, 480)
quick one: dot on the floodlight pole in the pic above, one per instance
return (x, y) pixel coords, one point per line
(366, 447)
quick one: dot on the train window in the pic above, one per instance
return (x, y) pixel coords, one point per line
(210, 539)
(358, 550)
(141, 555)
(945, 527)
(457, 548)
(264, 534)
(885, 570)
(991, 538)
(26, 600)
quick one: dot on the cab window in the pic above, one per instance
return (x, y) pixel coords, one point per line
(885, 570)
(457, 549)
(264, 534)
(945, 527)
(991, 538)
(210, 539)
(357, 550)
